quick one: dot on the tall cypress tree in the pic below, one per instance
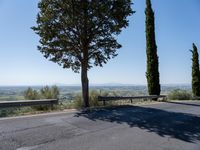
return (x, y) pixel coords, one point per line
(195, 72)
(152, 73)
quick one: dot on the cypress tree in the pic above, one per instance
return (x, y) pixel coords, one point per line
(195, 72)
(152, 73)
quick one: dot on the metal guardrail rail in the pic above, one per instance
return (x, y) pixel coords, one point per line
(115, 98)
(23, 103)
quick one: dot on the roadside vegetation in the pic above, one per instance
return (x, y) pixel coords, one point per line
(69, 97)
(93, 51)
(31, 94)
(179, 94)
(75, 100)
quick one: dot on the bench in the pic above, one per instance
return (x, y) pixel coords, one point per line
(115, 98)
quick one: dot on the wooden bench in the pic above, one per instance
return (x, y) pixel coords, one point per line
(115, 98)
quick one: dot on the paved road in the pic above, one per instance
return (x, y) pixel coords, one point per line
(163, 126)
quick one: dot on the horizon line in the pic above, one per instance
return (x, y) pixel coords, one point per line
(94, 84)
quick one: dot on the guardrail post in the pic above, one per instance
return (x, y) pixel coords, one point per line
(104, 103)
(52, 105)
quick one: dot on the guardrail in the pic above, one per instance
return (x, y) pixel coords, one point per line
(115, 98)
(196, 98)
(23, 103)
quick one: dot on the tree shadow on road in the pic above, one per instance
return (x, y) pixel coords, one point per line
(181, 126)
(183, 103)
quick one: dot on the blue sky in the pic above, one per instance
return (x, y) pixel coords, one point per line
(177, 27)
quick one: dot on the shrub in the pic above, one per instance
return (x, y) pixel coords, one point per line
(93, 99)
(7, 112)
(45, 93)
(49, 93)
(179, 94)
(78, 101)
(31, 94)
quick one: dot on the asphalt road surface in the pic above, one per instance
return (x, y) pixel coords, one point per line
(163, 126)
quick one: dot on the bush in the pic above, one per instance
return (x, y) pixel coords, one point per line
(7, 112)
(49, 93)
(179, 94)
(45, 93)
(31, 94)
(93, 99)
(78, 101)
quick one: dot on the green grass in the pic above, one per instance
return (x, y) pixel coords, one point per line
(77, 103)
(10, 112)
(179, 94)
(10, 98)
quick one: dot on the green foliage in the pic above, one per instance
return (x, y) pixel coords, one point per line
(6, 112)
(78, 102)
(80, 34)
(195, 72)
(31, 94)
(55, 92)
(45, 93)
(49, 93)
(179, 94)
(152, 73)
(70, 28)
(93, 99)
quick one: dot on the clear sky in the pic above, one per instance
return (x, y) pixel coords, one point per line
(177, 27)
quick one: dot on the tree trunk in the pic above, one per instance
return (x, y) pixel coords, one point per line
(85, 86)
(84, 62)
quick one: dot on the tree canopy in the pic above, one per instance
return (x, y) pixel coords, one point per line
(70, 28)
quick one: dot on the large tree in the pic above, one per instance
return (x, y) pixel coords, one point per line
(152, 73)
(195, 72)
(78, 34)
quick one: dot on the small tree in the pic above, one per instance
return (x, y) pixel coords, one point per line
(31, 94)
(195, 72)
(44, 93)
(152, 73)
(55, 92)
(79, 33)
(49, 93)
